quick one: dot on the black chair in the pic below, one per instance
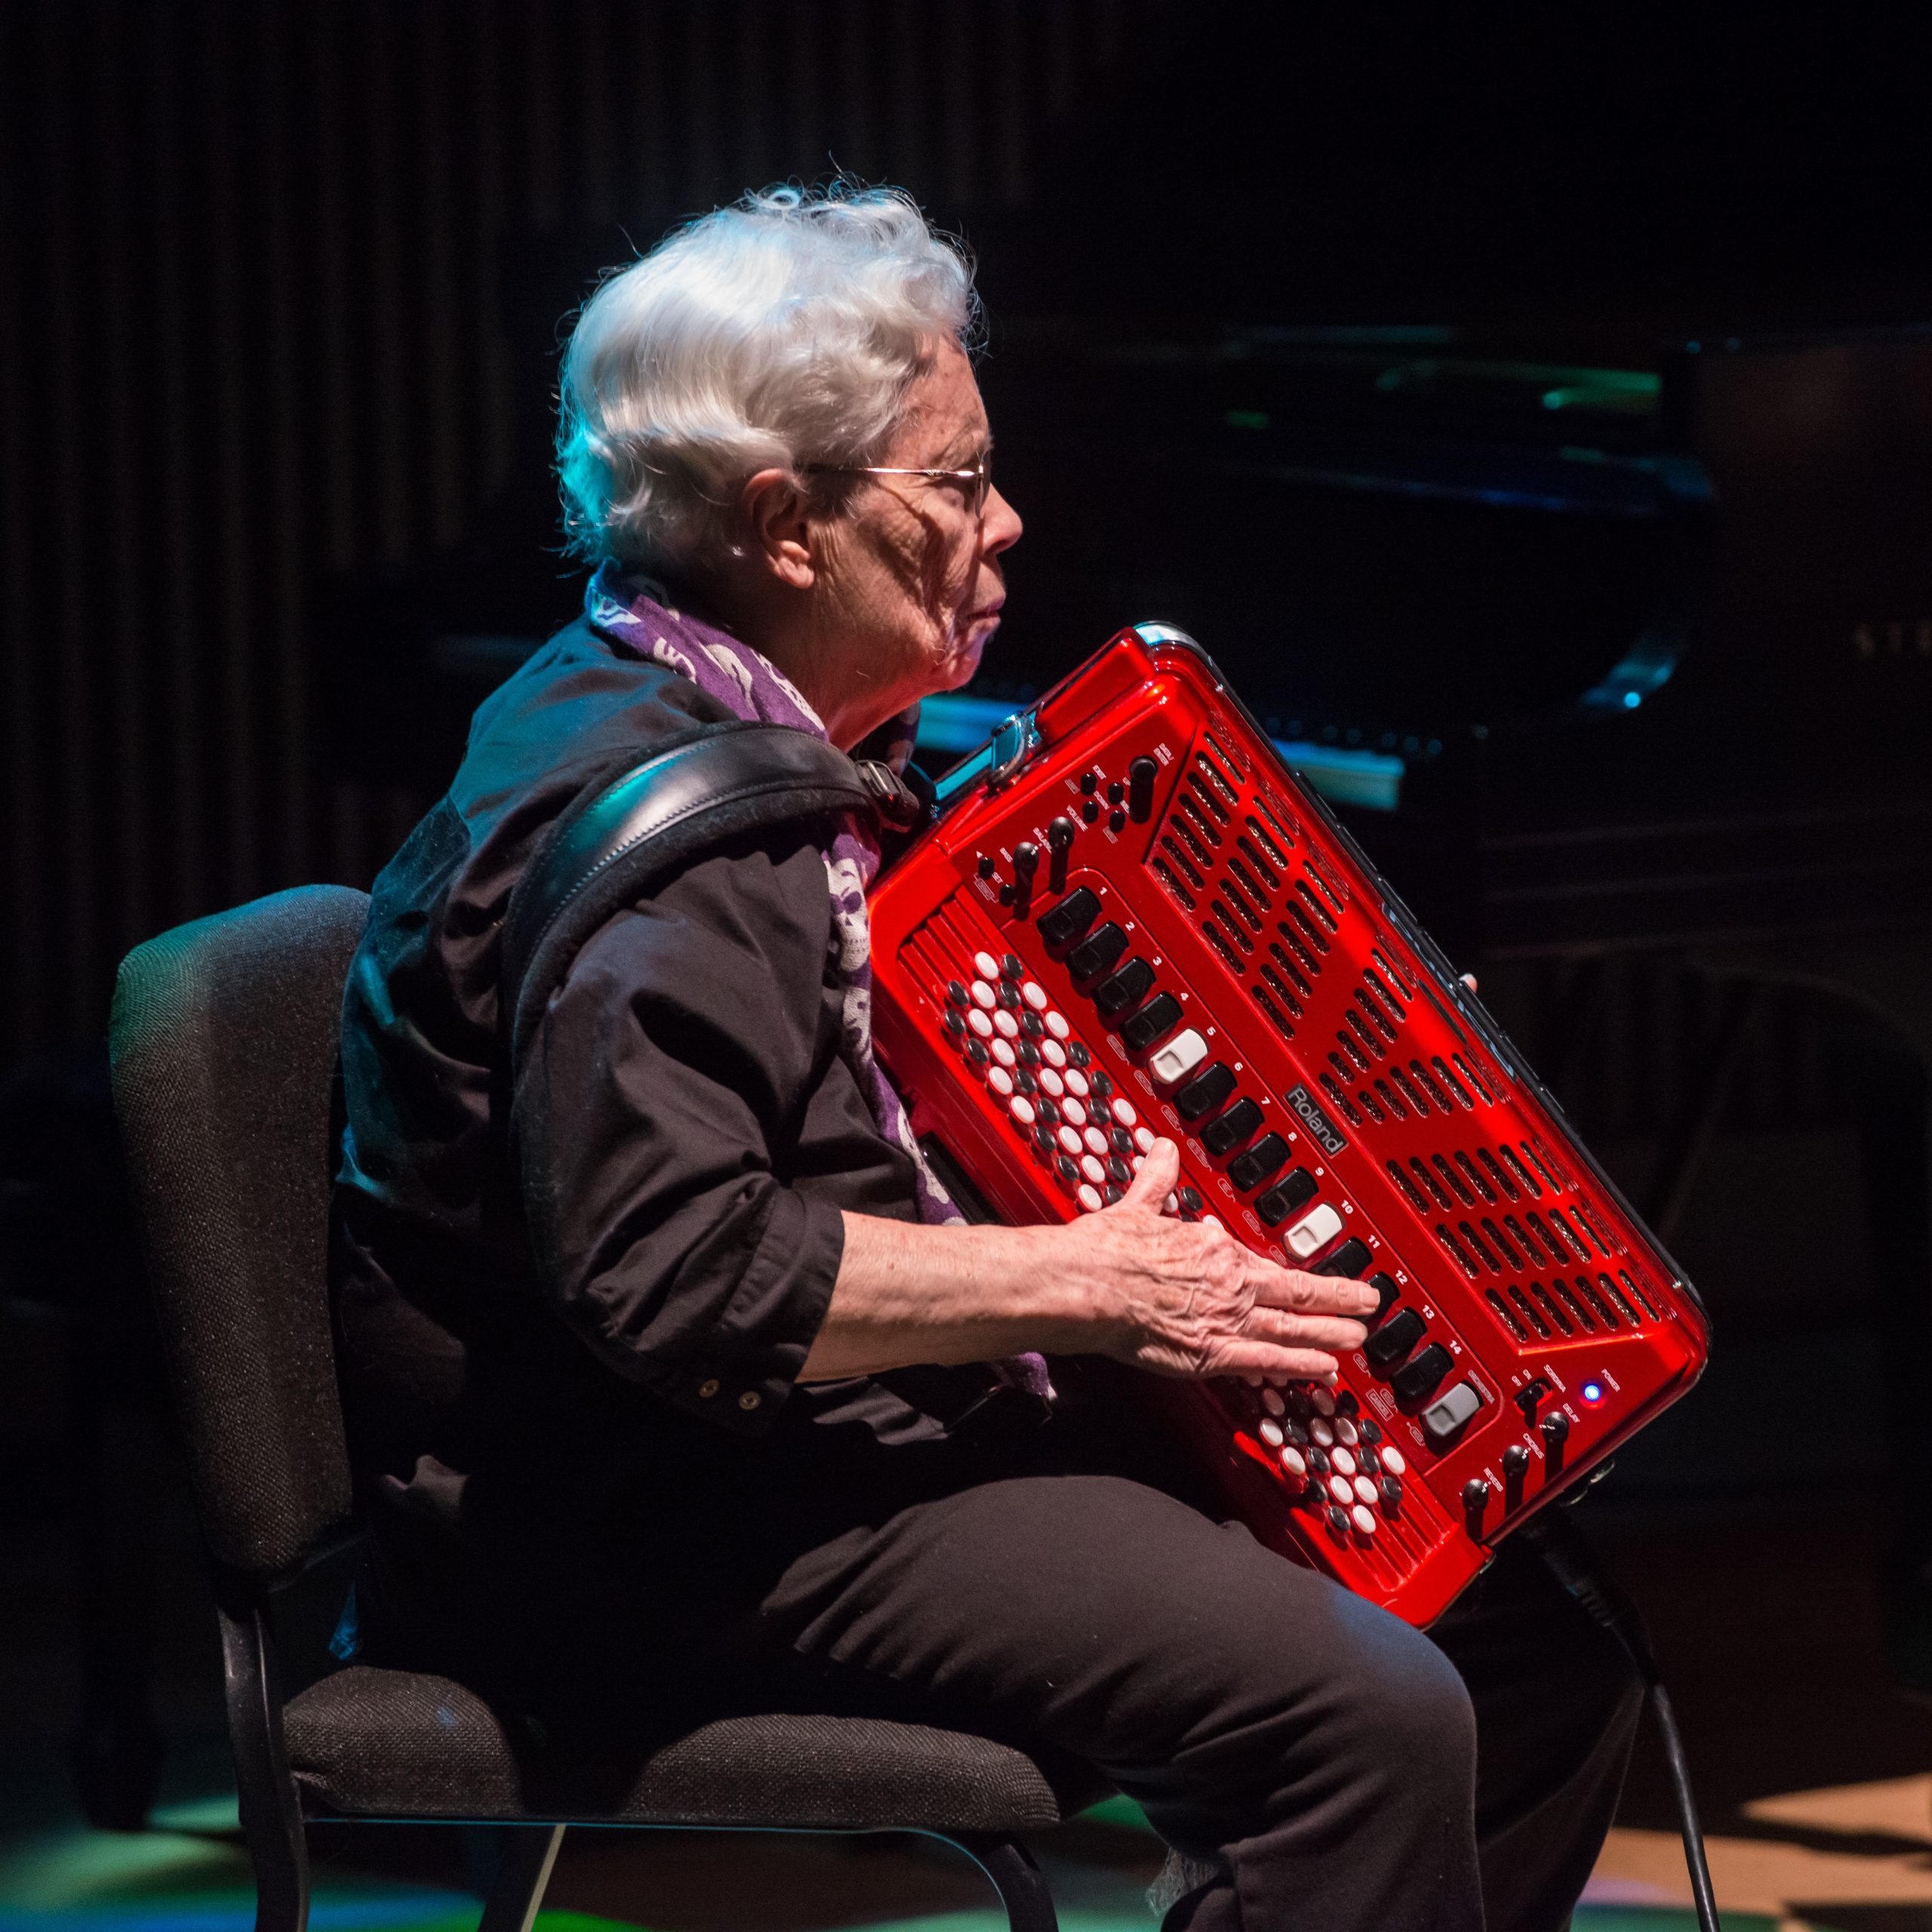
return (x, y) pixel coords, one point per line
(224, 1044)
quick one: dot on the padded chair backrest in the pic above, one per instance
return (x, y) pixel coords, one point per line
(224, 1044)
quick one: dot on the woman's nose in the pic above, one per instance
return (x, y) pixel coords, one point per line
(1000, 528)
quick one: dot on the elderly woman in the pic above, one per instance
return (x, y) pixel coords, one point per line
(740, 1440)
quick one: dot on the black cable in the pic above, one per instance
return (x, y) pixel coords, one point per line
(1574, 1565)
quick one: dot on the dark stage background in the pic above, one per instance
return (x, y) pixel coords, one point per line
(280, 287)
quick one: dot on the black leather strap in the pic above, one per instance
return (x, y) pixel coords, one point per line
(620, 837)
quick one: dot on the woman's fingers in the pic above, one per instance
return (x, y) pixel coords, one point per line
(1311, 1294)
(1155, 1181)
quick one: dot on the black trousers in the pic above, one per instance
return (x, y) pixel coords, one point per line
(1343, 1771)
(1068, 1587)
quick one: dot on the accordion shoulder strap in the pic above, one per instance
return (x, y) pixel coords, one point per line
(619, 838)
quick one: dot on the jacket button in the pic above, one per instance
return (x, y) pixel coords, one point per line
(708, 1389)
(750, 1399)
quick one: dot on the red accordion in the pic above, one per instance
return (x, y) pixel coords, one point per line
(1132, 919)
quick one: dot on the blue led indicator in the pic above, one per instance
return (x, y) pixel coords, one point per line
(1592, 1391)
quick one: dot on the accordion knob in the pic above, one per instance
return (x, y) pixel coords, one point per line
(1059, 839)
(1025, 864)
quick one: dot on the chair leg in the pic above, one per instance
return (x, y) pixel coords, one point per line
(523, 1870)
(1021, 1883)
(271, 1817)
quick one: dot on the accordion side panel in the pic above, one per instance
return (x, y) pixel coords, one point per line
(1228, 973)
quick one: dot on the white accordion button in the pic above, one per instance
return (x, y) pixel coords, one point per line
(1072, 1112)
(1053, 1053)
(1069, 1139)
(1004, 1024)
(986, 965)
(1271, 1432)
(1143, 1139)
(1089, 1198)
(1179, 1057)
(980, 1024)
(1341, 1489)
(1346, 1432)
(1022, 1110)
(1001, 1081)
(1294, 1462)
(1003, 1052)
(1122, 1110)
(1321, 1435)
(1051, 1083)
(1315, 1229)
(1342, 1460)
(1323, 1400)
(1271, 1400)
(1057, 1026)
(983, 996)
(1365, 1489)
(1393, 1462)
(1096, 1141)
(1093, 1169)
(1076, 1081)
(1034, 994)
(1363, 1519)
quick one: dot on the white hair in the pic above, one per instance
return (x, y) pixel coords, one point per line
(782, 330)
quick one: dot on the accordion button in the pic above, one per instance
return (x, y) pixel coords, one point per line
(1367, 1462)
(1392, 1493)
(1004, 1024)
(1096, 1141)
(1321, 1434)
(1271, 1400)
(955, 1022)
(984, 996)
(1113, 1194)
(1069, 1139)
(980, 1024)
(1089, 1200)
(1076, 1083)
(1341, 1489)
(1056, 1025)
(1004, 1053)
(1371, 1430)
(1072, 1112)
(1031, 1024)
(1365, 1489)
(1101, 1081)
(1180, 1055)
(1155, 1021)
(1271, 1432)
(1338, 1519)
(1062, 925)
(1364, 1519)
(1264, 1159)
(1092, 1169)
(955, 992)
(1191, 1202)
(1294, 1466)
(1078, 1056)
(1010, 967)
(1054, 1054)
(1001, 1081)
(1118, 1172)
(1034, 994)
(986, 965)
(1315, 1230)
(1143, 1138)
(1050, 1083)
(1022, 1110)
(1346, 1432)
(1120, 1140)
(1322, 1400)
(1123, 1111)
(1343, 1460)
(1392, 1461)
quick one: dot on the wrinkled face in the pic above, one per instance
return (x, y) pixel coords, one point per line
(911, 575)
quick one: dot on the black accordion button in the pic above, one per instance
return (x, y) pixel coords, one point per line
(1348, 1260)
(1062, 925)
(1155, 1021)
(1241, 1122)
(1279, 1202)
(1205, 1092)
(1393, 1339)
(1423, 1373)
(1097, 954)
(1264, 1158)
(1126, 988)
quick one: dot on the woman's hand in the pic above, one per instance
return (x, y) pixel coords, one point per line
(1187, 1299)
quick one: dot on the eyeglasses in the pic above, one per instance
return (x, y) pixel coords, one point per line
(977, 482)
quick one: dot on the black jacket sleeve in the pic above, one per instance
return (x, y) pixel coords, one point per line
(658, 1116)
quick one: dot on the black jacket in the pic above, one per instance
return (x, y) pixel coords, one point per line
(637, 1408)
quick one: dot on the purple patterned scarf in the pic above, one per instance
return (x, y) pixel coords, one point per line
(631, 611)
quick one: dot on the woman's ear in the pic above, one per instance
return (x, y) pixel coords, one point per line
(779, 525)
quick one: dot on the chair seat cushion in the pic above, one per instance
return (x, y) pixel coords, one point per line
(385, 1743)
